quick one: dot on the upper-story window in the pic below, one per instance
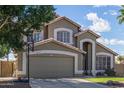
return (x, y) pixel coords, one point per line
(64, 35)
(38, 36)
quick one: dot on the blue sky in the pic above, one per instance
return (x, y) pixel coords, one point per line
(101, 19)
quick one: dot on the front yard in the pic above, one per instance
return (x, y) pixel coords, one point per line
(105, 79)
(110, 81)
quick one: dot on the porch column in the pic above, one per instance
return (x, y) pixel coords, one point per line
(24, 62)
(93, 58)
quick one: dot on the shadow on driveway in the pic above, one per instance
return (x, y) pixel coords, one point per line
(10, 83)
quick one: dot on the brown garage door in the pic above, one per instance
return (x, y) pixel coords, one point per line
(51, 66)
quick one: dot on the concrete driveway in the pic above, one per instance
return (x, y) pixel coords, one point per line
(64, 83)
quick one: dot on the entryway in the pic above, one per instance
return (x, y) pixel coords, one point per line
(88, 58)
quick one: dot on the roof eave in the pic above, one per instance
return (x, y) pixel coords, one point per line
(80, 33)
(63, 17)
(53, 40)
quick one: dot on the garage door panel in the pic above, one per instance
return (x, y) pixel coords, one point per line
(52, 66)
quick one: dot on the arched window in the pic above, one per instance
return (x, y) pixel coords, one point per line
(63, 35)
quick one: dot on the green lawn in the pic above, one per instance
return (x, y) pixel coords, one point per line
(105, 79)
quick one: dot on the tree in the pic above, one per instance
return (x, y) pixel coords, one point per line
(121, 21)
(120, 58)
(121, 16)
(4, 49)
(17, 21)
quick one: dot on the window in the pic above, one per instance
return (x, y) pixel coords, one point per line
(103, 62)
(37, 36)
(63, 36)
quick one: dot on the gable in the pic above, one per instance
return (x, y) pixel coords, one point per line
(87, 31)
(62, 24)
(102, 48)
(53, 46)
(64, 18)
(51, 40)
(87, 35)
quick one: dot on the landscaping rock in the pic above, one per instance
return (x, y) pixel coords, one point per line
(113, 83)
(116, 83)
(110, 83)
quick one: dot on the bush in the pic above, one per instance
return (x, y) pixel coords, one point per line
(110, 72)
(110, 82)
(100, 74)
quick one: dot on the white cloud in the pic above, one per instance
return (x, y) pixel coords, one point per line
(99, 5)
(118, 5)
(113, 41)
(92, 16)
(105, 13)
(110, 12)
(113, 12)
(98, 24)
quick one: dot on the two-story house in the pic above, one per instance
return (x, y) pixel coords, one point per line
(62, 49)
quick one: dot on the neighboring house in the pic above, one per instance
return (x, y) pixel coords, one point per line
(62, 49)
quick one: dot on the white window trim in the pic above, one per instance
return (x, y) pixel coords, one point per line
(93, 53)
(100, 71)
(42, 36)
(64, 29)
(106, 54)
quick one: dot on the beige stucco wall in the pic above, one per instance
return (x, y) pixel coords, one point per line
(101, 49)
(62, 24)
(114, 63)
(54, 46)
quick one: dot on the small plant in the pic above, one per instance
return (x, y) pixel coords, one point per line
(100, 74)
(110, 72)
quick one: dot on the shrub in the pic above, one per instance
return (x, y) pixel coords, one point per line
(100, 74)
(110, 72)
